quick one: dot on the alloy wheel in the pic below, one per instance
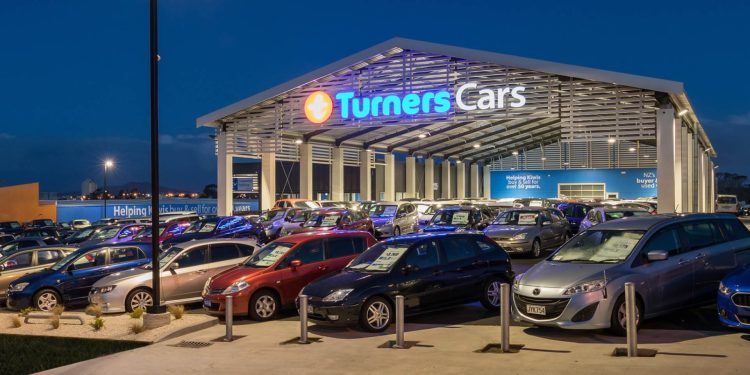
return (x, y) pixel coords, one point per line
(493, 293)
(46, 301)
(265, 306)
(141, 299)
(536, 250)
(378, 315)
(622, 316)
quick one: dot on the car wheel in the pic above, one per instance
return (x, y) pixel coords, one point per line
(264, 306)
(376, 315)
(139, 298)
(396, 232)
(618, 324)
(491, 294)
(46, 299)
(536, 249)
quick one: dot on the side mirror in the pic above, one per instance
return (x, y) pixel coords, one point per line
(174, 266)
(2, 267)
(288, 218)
(657, 255)
(409, 268)
(546, 222)
(295, 263)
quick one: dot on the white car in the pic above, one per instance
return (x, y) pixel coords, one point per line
(727, 203)
(80, 224)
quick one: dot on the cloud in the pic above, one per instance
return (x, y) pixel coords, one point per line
(742, 120)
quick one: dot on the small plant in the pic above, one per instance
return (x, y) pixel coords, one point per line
(97, 324)
(137, 327)
(54, 321)
(26, 311)
(15, 321)
(94, 310)
(176, 310)
(137, 312)
(57, 310)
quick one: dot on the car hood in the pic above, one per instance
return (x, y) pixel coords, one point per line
(343, 280)
(444, 228)
(232, 275)
(36, 276)
(189, 237)
(562, 275)
(123, 276)
(506, 230)
(379, 221)
(739, 279)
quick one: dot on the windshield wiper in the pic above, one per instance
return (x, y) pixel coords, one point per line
(612, 260)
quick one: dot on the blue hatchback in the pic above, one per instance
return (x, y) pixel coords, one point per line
(68, 281)
(733, 301)
(575, 213)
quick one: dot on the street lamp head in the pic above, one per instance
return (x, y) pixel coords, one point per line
(108, 163)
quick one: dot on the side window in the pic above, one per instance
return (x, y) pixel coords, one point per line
(477, 216)
(457, 248)
(193, 257)
(222, 252)
(734, 229)
(359, 244)
(18, 261)
(667, 239)
(125, 232)
(309, 252)
(91, 259)
(245, 250)
(402, 209)
(340, 247)
(424, 255)
(484, 247)
(599, 217)
(701, 234)
(25, 244)
(580, 211)
(47, 257)
(123, 254)
(591, 216)
(51, 241)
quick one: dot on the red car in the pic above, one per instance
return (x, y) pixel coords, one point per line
(272, 278)
(166, 231)
(337, 218)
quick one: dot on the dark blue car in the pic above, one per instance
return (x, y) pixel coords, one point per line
(220, 227)
(575, 213)
(733, 301)
(68, 281)
(453, 218)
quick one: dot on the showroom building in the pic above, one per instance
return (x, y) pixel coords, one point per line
(408, 118)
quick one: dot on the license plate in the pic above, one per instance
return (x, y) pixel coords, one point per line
(309, 309)
(206, 303)
(536, 310)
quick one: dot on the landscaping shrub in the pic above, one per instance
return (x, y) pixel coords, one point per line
(94, 310)
(176, 310)
(97, 324)
(137, 312)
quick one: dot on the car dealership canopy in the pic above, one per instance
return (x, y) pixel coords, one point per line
(427, 102)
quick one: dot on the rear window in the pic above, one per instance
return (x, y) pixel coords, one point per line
(726, 200)
(458, 249)
(341, 247)
(734, 230)
(222, 252)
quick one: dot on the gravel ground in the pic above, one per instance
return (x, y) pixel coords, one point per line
(116, 327)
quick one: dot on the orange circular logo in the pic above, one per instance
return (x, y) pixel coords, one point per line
(318, 107)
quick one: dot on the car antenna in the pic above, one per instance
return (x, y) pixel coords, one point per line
(604, 290)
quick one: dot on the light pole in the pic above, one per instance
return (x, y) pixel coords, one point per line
(107, 165)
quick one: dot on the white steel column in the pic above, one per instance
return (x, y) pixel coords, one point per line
(337, 174)
(305, 171)
(460, 180)
(365, 180)
(690, 173)
(411, 177)
(683, 182)
(445, 178)
(665, 151)
(267, 180)
(486, 185)
(712, 186)
(224, 198)
(429, 178)
(474, 180)
(390, 178)
(678, 167)
(702, 181)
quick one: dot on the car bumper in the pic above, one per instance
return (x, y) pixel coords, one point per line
(17, 301)
(581, 311)
(333, 314)
(732, 315)
(109, 302)
(215, 304)
(384, 230)
(517, 247)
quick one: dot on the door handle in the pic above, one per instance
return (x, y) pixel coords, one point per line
(479, 263)
(683, 261)
(201, 271)
(322, 268)
(700, 256)
(437, 273)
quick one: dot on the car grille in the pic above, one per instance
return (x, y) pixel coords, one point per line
(215, 291)
(744, 319)
(500, 238)
(741, 299)
(553, 306)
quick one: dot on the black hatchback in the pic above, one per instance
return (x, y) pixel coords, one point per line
(431, 271)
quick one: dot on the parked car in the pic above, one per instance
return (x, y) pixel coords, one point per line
(733, 301)
(453, 218)
(295, 203)
(24, 262)
(528, 230)
(393, 218)
(5, 238)
(40, 232)
(166, 231)
(25, 243)
(293, 223)
(273, 277)
(431, 271)
(83, 235)
(181, 217)
(598, 215)
(365, 205)
(78, 224)
(10, 227)
(184, 270)
(745, 210)
(727, 203)
(41, 223)
(106, 221)
(575, 213)
(424, 217)
(273, 220)
(114, 234)
(133, 220)
(326, 219)
(68, 281)
(220, 227)
(330, 204)
(533, 202)
(674, 261)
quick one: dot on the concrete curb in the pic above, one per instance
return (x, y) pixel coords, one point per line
(186, 330)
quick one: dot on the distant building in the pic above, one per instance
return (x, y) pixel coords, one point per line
(88, 186)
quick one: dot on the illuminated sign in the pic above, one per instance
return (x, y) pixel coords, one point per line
(489, 98)
(392, 105)
(318, 107)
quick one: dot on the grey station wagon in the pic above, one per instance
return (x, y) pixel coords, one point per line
(675, 261)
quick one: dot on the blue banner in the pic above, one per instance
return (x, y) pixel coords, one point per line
(629, 183)
(94, 210)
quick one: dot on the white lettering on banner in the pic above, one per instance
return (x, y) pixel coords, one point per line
(490, 98)
(523, 182)
(648, 181)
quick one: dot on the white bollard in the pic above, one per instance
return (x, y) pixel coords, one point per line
(630, 318)
(399, 322)
(228, 317)
(303, 319)
(505, 317)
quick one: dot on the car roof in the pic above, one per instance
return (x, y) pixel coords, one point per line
(300, 237)
(209, 241)
(121, 244)
(622, 209)
(459, 208)
(648, 221)
(414, 237)
(390, 203)
(333, 210)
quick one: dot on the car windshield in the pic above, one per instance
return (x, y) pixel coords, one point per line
(451, 217)
(383, 210)
(305, 204)
(599, 246)
(528, 218)
(300, 217)
(272, 215)
(726, 200)
(166, 257)
(422, 207)
(146, 232)
(614, 215)
(269, 254)
(9, 248)
(379, 258)
(323, 220)
(82, 234)
(106, 234)
(201, 227)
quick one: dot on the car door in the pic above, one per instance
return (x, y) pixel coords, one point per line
(423, 282)
(15, 266)
(739, 238)
(546, 229)
(558, 227)
(710, 254)
(83, 273)
(463, 269)
(340, 251)
(311, 254)
(190, 269)
(221, 257)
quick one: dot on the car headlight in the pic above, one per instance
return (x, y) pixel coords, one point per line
(517, 281)
(519, 236)
(585, 287)
(206, 286)
(19, 287)
(724, 290)
(337, 295)
(103, 289)
(236, 287)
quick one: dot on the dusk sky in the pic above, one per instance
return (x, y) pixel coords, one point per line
(74, 75)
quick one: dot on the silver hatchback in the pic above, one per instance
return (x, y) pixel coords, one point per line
(675, 261)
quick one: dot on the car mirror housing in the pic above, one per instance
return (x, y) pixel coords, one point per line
(295, 263)
(657, 255)
(174, 266)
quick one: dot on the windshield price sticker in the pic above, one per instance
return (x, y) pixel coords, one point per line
(272, 257)
(386, 259)
(460, 217)
(329, 221)
(535, 204)
(615, 248)
(208, 227)
(526, 219)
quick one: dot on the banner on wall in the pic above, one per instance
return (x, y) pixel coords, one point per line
(628, 183)
(94, 210)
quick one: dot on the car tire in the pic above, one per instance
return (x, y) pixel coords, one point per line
(140, 297)
(264, 306)
(376, 314)
(536, 248)
(490, 298)
(396, 232)
(46, 299)
(617, 323)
